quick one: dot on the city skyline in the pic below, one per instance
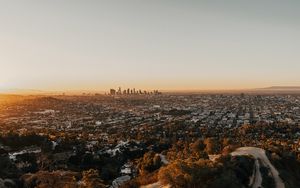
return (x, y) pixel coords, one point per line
(166, 45)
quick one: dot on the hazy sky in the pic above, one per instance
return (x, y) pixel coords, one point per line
(166, 44)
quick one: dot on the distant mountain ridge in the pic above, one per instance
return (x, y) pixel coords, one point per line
(281, 88)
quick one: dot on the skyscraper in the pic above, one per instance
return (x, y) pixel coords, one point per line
(112, 91)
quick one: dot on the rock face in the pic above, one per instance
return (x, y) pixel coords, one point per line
(260, 155)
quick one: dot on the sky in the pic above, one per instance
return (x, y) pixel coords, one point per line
(57, 45)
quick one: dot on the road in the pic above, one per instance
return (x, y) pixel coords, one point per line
(260, 155)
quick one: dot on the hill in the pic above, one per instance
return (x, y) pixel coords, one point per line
(281, 88)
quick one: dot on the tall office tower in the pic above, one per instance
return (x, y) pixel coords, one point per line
(112, 92)
(120, 91)
(128, 91)
(133, 90)
(140, 91)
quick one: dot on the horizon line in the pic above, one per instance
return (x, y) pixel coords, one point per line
(98, 91)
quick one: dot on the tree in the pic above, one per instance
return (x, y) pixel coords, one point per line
(149, 163)
(228, 172)
(187, 174)
(198, 149)
(91, 179)
(211, 146)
